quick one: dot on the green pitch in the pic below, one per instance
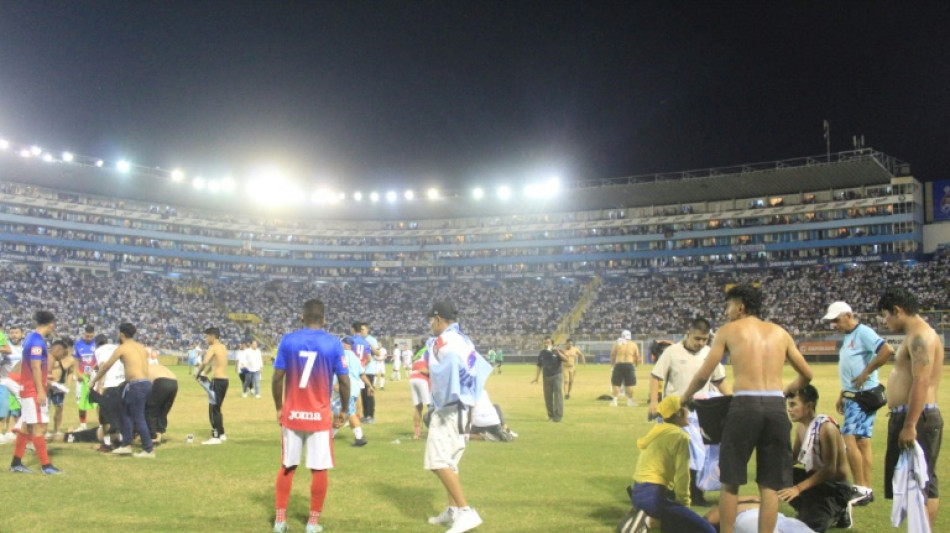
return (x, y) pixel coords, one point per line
(566, 477)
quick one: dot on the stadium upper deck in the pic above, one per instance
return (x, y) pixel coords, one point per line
(851, 207)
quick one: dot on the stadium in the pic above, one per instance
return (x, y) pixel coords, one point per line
(102, 242)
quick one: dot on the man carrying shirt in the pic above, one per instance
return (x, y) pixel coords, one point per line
(306, 362)
(33, 382)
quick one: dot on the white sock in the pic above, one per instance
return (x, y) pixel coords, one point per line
(107, 440)
(382, 382)
(358, 433)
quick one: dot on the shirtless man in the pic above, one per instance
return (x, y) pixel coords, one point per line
(757, 418)
(573, 353)
(216, 359)
(624, 357)
(159, 403)
(61, 372)
(135, 360)
(912, 391)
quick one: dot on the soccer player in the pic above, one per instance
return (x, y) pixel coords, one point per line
(216, 359)
(756, 418)
(862, 352)
(33, 383)
(85, 354)
(364, 351)
(358, 381)
(624, 358)
(397, 364)
(134, 359)
(912, 391)
(457, 374)
(6, 365)
(306, 362)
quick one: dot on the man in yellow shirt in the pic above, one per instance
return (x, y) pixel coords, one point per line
(663, 474)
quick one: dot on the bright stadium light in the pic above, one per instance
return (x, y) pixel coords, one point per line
(432, 194)
(198, 183)
(409, 195)
(504, 192)
(48, 157)
(123, 166)
(374, 197)
(545, 189)
(478, 193)
(178, 175)
(4, 144)
(68, 157)
(25, 153)
(99, 163)
(36, 150)
(341, 196)
(214, 186)
(358, 196)
(227, 184)
(391, 197)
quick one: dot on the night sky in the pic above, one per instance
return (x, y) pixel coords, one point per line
(449, 93)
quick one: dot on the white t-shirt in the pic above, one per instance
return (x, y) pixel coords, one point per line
(241, 357)
(116, 374)
(397, 357)
(16, 353)
(253, 360)
(484, 414)
(677, 366)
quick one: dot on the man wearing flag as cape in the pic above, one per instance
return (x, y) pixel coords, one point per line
(457, 374)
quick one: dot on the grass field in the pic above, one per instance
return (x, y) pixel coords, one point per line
(566, 477)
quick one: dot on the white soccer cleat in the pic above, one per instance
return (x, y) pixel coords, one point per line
(223, 437)
(144, 455)
(212, 440)
(445, 518)
(465, 520)
(280, 527)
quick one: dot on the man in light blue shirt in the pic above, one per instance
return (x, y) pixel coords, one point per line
(862, 352)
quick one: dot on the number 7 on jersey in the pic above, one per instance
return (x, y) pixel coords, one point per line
(307, 368)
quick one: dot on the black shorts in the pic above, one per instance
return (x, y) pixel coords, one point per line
(929, 436)
(757, 423)
(110, 408)
(623, 374)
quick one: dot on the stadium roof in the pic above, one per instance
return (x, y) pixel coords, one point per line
(864, 167)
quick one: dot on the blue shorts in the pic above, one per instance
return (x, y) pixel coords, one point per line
(335, 406)
(856, 421)
(57, 398)
(4, 402)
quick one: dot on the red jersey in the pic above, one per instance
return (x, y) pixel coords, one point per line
(34, 349)
(418, 367)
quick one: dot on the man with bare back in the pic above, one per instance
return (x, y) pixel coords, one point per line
(912, 391)
(135, 360)
(756, 419)
(216, 359)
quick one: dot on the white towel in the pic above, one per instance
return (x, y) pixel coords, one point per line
(810, 454)
(910, 478)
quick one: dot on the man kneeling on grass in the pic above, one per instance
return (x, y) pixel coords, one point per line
(662, 474)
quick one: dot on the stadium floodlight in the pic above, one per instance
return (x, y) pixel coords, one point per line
(4, 144)
(198, 183)
(358, 196)
(123, 166)
(99, 163)
(214, 186)
(432, 194)
(36, 150)
(48, 157)
(409, 195)
(25, 153)
(391, 197)
(341, 196)
(504, 192)
(227, 184)
(68, 157)
(374, 197)
(324, 196)
(478, 193)
(178, 175)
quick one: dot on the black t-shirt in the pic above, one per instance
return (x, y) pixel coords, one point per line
(550, 363)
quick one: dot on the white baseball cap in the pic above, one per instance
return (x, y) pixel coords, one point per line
(836, 309)
(625, 334)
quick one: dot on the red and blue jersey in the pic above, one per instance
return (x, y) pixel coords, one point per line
(310, 358)
(86, 355)
(34, 349)
(362, 349)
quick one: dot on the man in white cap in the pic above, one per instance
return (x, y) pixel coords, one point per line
(624, 357)
(862, 352)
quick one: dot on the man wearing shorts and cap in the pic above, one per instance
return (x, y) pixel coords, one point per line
(624, 357)
(912, 391)
(862, 352)
(757, 419)
(457, 374)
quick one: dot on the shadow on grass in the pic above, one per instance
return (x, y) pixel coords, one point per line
(608, 515)
(412, 502)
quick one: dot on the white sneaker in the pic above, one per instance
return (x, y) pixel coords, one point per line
(144, 455)
(613, 403)
(223, 437)
(465, 520)
(122, 450)
(445, 518)
(212, 440)
(243, 395)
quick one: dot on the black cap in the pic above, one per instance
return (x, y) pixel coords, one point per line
(444, 309)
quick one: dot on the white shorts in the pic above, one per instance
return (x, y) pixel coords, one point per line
(31, 413)
(319, 447)
(420, 391)
(445, 444)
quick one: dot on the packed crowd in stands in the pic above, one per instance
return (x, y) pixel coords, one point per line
(172, 313)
